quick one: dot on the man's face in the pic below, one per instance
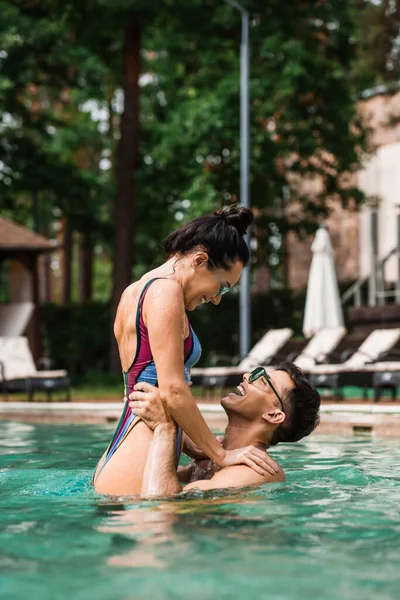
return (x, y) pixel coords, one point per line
(257, 398)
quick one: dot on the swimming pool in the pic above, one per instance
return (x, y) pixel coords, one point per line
(330, 532)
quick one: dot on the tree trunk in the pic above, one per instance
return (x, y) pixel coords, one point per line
(284, 239)
(285, 261)
(30, 261)
(85, 267)
(126, 163)
(67, 262)
(44, 268)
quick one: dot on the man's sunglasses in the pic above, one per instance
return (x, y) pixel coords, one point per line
(261, 372)
(223, 288)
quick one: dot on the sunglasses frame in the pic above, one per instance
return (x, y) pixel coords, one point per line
(223, 289)
(261, 372)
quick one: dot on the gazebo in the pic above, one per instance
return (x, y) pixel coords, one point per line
(22, 247)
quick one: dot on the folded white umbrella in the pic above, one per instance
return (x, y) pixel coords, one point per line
(323, 308)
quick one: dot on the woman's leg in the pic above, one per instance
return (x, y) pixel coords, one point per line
(123, 473)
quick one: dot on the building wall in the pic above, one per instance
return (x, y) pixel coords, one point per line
(350, 230)
(342, 226)
(380, 177)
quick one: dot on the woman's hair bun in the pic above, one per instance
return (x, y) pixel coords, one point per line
(219, 234)
(239, 218)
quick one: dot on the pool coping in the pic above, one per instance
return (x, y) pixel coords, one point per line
(373, 420)
(336, 419)
(113, 407)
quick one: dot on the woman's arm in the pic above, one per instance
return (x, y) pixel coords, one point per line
(160, 477)
(191, 450)
(164, 314)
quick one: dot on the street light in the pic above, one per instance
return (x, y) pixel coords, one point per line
(245, 303)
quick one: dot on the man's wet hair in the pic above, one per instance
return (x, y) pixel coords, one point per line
(301, 407)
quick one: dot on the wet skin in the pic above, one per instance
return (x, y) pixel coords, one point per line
(254, 414)
(188, 283)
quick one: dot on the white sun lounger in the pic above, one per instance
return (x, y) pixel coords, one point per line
(362, 367)
(376, 346)
(320, 347)
(18, 370)
(263, 353)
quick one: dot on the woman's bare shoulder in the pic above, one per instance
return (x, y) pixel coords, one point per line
(169, 287)
(165, 294)
(164, 297)
(129, 292)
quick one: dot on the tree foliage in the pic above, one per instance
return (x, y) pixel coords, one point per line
(49, 146)
(61, 76)
(378, 56)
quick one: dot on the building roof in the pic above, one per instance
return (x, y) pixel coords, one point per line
(15, 238)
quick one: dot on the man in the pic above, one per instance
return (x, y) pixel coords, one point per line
(269, 408)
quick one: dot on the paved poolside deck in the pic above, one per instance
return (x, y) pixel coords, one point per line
(382, 420)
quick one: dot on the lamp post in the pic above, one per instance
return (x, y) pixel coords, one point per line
(245, 301)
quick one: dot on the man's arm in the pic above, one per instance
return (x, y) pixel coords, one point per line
(237, 476)
(166, 336)
(160, 478)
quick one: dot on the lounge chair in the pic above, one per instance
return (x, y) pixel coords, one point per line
(358, 370)
(386, 376)
(18, 372)
(14, 318)
(320, 348)
(263, 353)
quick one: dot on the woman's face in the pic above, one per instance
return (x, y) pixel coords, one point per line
(206, 284)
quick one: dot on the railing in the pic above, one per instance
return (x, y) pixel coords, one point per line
(354, 290)
(377, 291)
(381, 291)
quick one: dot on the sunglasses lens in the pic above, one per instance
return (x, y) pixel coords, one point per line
(224, 290)
(258, 372)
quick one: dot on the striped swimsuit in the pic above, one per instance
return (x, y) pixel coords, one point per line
(144, 369)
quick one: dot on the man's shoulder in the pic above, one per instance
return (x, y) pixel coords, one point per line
(236, 476)
(247, 475)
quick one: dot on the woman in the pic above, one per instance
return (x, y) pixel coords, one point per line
(205, 259)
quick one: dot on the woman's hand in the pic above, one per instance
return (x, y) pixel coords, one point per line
(253, 457)
(146, 403)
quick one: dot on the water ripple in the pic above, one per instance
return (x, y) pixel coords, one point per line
(330, 531)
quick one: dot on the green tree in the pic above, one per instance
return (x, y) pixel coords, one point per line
(174, 144)
(378, 49)
(303, 114)
(49, 148)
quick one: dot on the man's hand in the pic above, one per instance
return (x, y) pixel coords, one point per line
(146, 403)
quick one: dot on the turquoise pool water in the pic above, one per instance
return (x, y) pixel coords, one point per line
(332, 531)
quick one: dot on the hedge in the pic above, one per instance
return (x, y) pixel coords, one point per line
(77, 336)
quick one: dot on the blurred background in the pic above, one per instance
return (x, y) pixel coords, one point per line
(120, 120)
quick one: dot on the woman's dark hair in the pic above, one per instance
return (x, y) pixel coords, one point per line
(220, 234)
(301, 407)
